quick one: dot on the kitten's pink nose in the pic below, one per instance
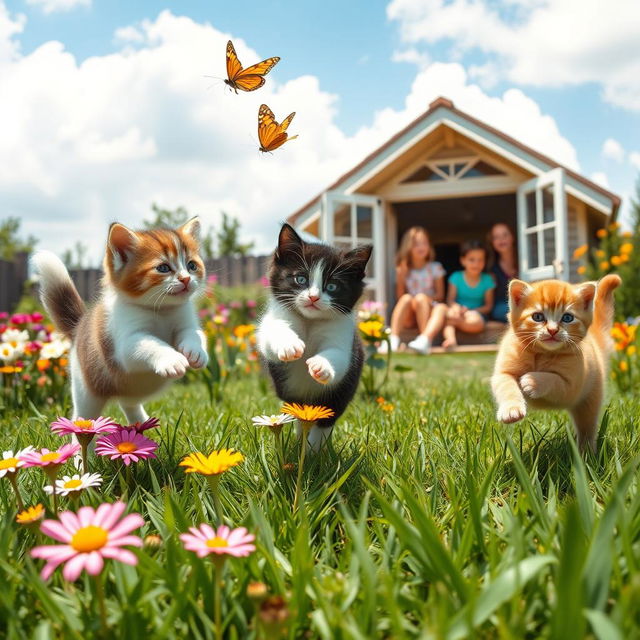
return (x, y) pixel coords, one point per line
(552, 330)
(313, 298)
(185, 280)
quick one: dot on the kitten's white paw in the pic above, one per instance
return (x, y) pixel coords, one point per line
(195, 354)
(509, 413)
(320, 369)
(530, 386)
(171, 365)
(290, 351)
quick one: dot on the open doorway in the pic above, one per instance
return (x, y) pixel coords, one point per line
(451, 221)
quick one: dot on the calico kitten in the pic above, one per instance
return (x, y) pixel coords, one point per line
(143, 330)
(555, 353)
(308, 334)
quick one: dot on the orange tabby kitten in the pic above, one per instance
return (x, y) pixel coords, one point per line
(555, 353)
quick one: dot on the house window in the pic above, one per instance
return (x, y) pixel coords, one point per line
(481, 169)
(451, 170)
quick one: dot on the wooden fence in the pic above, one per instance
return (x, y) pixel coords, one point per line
(229, 272)
(13, 275)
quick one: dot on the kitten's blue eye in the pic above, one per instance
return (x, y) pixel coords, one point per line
(331, 287)
(163, 268)
(192, 266)
(537, 316)
(567, 317)
(300, 279)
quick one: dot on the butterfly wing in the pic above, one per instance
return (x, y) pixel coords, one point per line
(233, 64)
(271, 134)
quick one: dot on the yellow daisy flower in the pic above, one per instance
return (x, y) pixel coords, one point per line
(307, 412)
(30, 515)
(216, 463)
(627, 247)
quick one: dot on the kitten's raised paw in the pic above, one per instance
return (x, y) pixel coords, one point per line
(195, 354)
(530, 386)
(320, 369)
(509, 413)
(291, 351)
(171, 365)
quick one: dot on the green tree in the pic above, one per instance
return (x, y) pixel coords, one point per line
(173, 218)
(10, 240)
(228, 238)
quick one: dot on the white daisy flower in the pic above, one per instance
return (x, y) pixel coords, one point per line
(11, 462)
(15, 337)
(273, 422)
(7, 352)
(77, 482)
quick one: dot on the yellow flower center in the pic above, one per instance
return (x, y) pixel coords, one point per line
(52, 456)
(126, 447)
(72, 484)
(9, 463)
(89, 538)
(217, 542)
(83, 424)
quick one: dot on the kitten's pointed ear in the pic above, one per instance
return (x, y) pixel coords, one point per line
(288, 240)
(191, 228)
(518, 291)
(359, 256)
(586, 293)
(122, 242)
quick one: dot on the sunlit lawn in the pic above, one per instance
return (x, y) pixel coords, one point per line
(428, 521)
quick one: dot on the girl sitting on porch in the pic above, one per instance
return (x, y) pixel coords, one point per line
(470, 294)
(503, 266)
(419, 290)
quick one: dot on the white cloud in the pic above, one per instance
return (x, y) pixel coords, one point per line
(58, 6)
(55, 6)
(634, 159)
(411, 55)
(599, 177)
(539, 42)
(613, 150)
(100, 141)
(128, 34)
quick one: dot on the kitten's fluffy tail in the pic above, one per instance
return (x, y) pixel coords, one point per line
(58, 293)
(603, 307)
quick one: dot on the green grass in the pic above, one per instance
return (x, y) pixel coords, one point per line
(432, 521)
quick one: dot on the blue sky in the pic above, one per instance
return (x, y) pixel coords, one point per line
(351, 51)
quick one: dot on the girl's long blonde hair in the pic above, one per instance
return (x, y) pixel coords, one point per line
(404, 250)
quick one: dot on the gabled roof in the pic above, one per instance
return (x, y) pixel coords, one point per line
(448, 109)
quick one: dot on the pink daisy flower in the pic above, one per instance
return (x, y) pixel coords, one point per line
(46, 458)
(204, 540)
(140, 427)
(131, 446)
(80, 426)
(88, 537)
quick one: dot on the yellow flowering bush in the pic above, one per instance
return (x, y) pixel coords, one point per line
(625, 364)
(618, 252)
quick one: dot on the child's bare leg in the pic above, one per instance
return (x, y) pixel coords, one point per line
(400, 314)
(436, 322)
(422, 308)
(450, 341)
(471, 322)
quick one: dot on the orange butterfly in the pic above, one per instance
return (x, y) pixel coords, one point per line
(248, 79)
(271, 134)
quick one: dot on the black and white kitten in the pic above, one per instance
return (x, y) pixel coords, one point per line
(308, 334)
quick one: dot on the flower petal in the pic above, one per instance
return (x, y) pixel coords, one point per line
(56, 530)
(94, 563)
(126, 525)
(74, 567)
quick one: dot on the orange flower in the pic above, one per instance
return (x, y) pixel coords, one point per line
(600, 253)
(243, 330)
(616, 261)
(582, 269)
(624, 366)
(627, 234)
(580, 251)
(43, 364)
(601, 233)
(627, 247)
(614, 225)
(307, 412)
(604, 265)
(9, 369)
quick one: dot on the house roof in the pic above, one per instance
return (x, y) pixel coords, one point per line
(448, 106)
